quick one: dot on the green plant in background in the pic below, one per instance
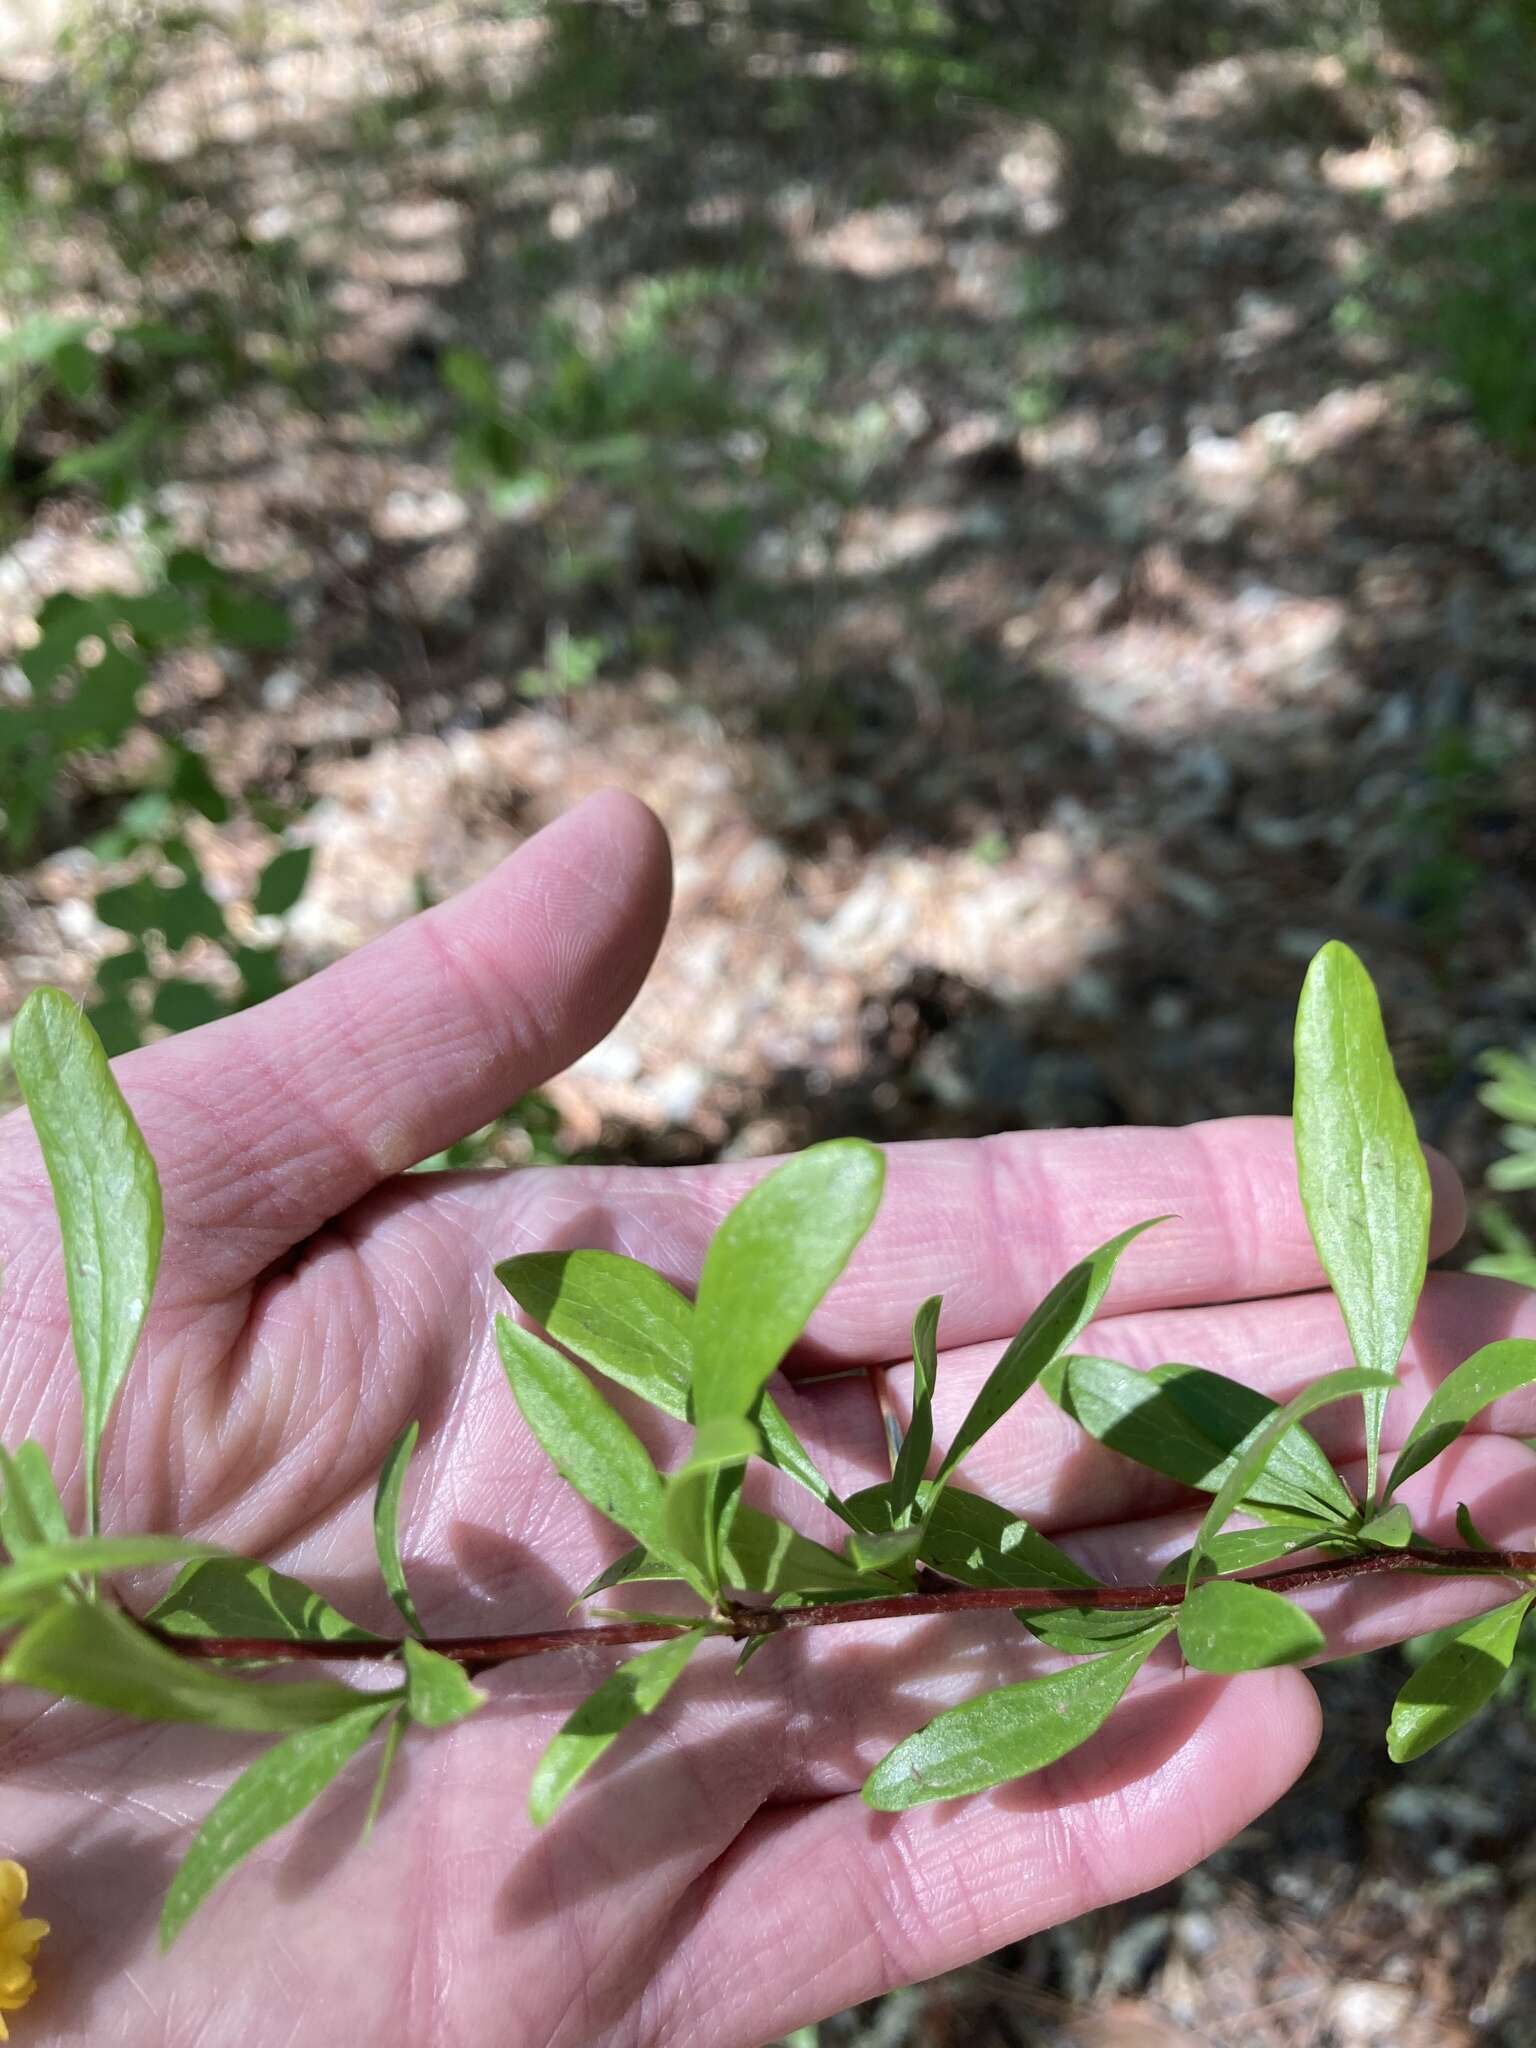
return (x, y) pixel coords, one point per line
(1510, 1092)
(917, 1544)
(91, 658)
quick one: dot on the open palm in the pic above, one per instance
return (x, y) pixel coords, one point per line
(729, 1884)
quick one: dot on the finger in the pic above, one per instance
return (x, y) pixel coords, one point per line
(1044, 1465)
(269, 1123)
(991, 1224)
(844, 1903)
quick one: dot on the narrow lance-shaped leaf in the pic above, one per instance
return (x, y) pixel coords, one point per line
(1227, 1625)
(1006, 1733)
(1462, 1676)
(1247, 1466)
(85, 1650)
(701, 1495)
(916, 1445)
(31, 1512)
(236, 1597)
(638, 1687)
(770, 1262)
(631, 1325)
(386, 1523)
(46, 1566)
(271, 1792)
(592, 1447)
(388, 1749)
(1495, 1370)
(1188, 1423)
(107, 1194)
(1057, 1323)
(1393, 1529)
(1363, 1178)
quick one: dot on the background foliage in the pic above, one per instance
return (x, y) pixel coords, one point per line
(1039, 495)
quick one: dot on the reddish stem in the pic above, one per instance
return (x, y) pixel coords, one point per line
(743, 1623)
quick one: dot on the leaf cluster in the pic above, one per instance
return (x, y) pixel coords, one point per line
(732, 1568)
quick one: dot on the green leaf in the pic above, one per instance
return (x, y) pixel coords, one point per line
(1362, 1173)
(1089, 1631)
(1495, 1370)
(271, 1792)
(282, 881)
(107, 1195)
(1444, 1694)
(1006, 1733)
(759, 1555)
(387, 1750)
(889, 1552)
(1056, 1323)
(1468, 1530)
(120, 970)
(1392, 1530)
(31, 1513)
(971, 1539)
(386, 1523)
(727, 1440)
(917, 1444)
(236, 1597)
(45, 1566)
(1225, 1625)
(1241, 1550)
(590, 1445)
(1189, 1424)
(769, 1264)
(620, 1317)
(437, 1691)
(85, 1650)
(1250, 1462)
(638, 1687)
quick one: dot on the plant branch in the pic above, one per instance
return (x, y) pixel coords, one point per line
(744, 1623)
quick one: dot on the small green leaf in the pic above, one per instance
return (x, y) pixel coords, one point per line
(769, 1264)
(31, 1513)
(638, 1687)
(631, 1325)
(1089, 1631)
(1056, 1323)
(387, 1751)
(1254, 1459)
(46, 1565)
(890, 1552)
(1468, 1530)
(696, 1512)
(1392, 1530)
(386, 1523)
(727, 1440)
(1226, 1625)
(437, 1691)
(282, 881)
(1241, 1550)
(590, 1445)
(271, 1792)
(108, 1199)
(918, 1441)
(1495, 1370)
(1444, 1693)
(1188, 1424)
(85, 1650)
(1006, 1733)
(236, 1597)
(1363, 1177)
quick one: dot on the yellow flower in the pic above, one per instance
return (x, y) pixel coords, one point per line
(18, 1943)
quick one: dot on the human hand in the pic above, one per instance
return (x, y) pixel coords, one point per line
(730, 1884)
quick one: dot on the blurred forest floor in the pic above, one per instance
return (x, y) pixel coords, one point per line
(1038, 496)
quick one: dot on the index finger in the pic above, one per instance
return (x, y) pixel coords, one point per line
(989, 1223)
